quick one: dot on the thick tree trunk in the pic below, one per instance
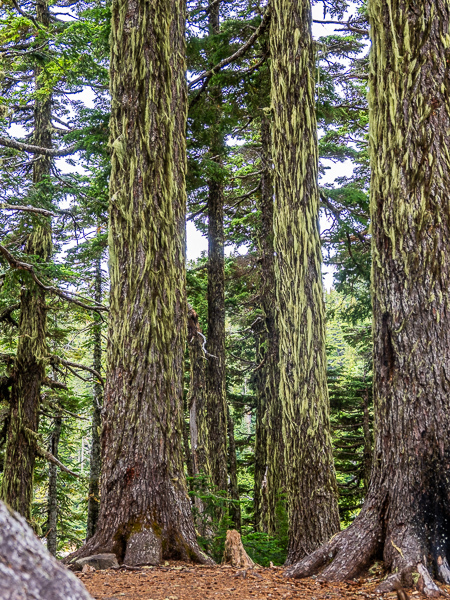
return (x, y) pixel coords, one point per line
(28, 570)
(145, 512)
(215, 367)
(269, 452)
(310, 477)
(30, 362)
(406, 515)
(95, 463)
(52, 511)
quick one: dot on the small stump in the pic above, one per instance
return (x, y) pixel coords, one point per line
(235, 554)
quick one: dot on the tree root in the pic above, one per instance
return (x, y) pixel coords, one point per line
(351, 551)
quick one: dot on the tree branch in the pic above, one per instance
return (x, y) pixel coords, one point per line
(238, 54)
(5, 314)
(347, 24)
(32, 209)
(66, 363)
(15, 145)
(17, 264)
(34, 438)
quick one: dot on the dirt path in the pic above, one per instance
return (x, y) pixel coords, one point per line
(180, 581)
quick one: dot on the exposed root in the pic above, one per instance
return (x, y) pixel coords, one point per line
(353, 550)
(343, 557)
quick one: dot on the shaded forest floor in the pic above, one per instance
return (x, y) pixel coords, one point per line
(181, 581)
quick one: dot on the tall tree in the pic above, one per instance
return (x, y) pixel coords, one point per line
(145, 513)
(95, 458)
(310, 477)
(30, 360)
(269, 454)
(215, 367)
(406, 514)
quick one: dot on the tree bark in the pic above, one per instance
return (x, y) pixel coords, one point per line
(233, 488)
(30, 361)
(406, 515)
(269, 451)
(310, 478)
(52, 512)
(215, 367)
(28, 570)
(95, 463)
(198, 431)
(145, 512)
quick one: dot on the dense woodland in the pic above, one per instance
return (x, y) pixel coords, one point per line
(150, 403)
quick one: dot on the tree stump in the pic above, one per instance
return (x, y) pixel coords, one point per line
(27, 570)
(235, 554)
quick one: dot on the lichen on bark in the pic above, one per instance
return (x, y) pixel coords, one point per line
(406, 515)
(145, 513)
(310, 478)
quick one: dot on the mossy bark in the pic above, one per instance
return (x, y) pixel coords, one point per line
(233, 487)
(215, 367)
(95, 462)
(196, 398)
(52, 498)
(406, 515)
(269, 452)
(145, 512)
(310, 478)
(32, 351)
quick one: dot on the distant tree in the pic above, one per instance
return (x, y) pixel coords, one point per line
(406, 514)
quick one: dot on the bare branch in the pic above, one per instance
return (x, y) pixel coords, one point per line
(67, 363)
(15, 145)
(32, 209)
(54, 385)
(34, 438)
(347, 24)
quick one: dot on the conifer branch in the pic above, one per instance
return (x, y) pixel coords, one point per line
(68, 296)
(238, 54)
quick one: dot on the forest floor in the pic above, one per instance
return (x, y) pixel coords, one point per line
(182, 581)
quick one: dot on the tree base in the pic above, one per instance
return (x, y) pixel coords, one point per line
(352, 551)
(141, 548)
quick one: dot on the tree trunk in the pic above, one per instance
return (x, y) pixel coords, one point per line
(368, 445)
(215, 367)
(52, 512)
(269, 452)
(406, 515)
(30, 362)
(196, 399)
(233, 488)
(145, 512)
(310, 477)
(28, 570)
(95, 463)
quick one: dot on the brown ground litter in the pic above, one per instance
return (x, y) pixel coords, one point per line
(181, 581)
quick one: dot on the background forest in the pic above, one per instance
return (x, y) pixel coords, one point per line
(54, 86)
